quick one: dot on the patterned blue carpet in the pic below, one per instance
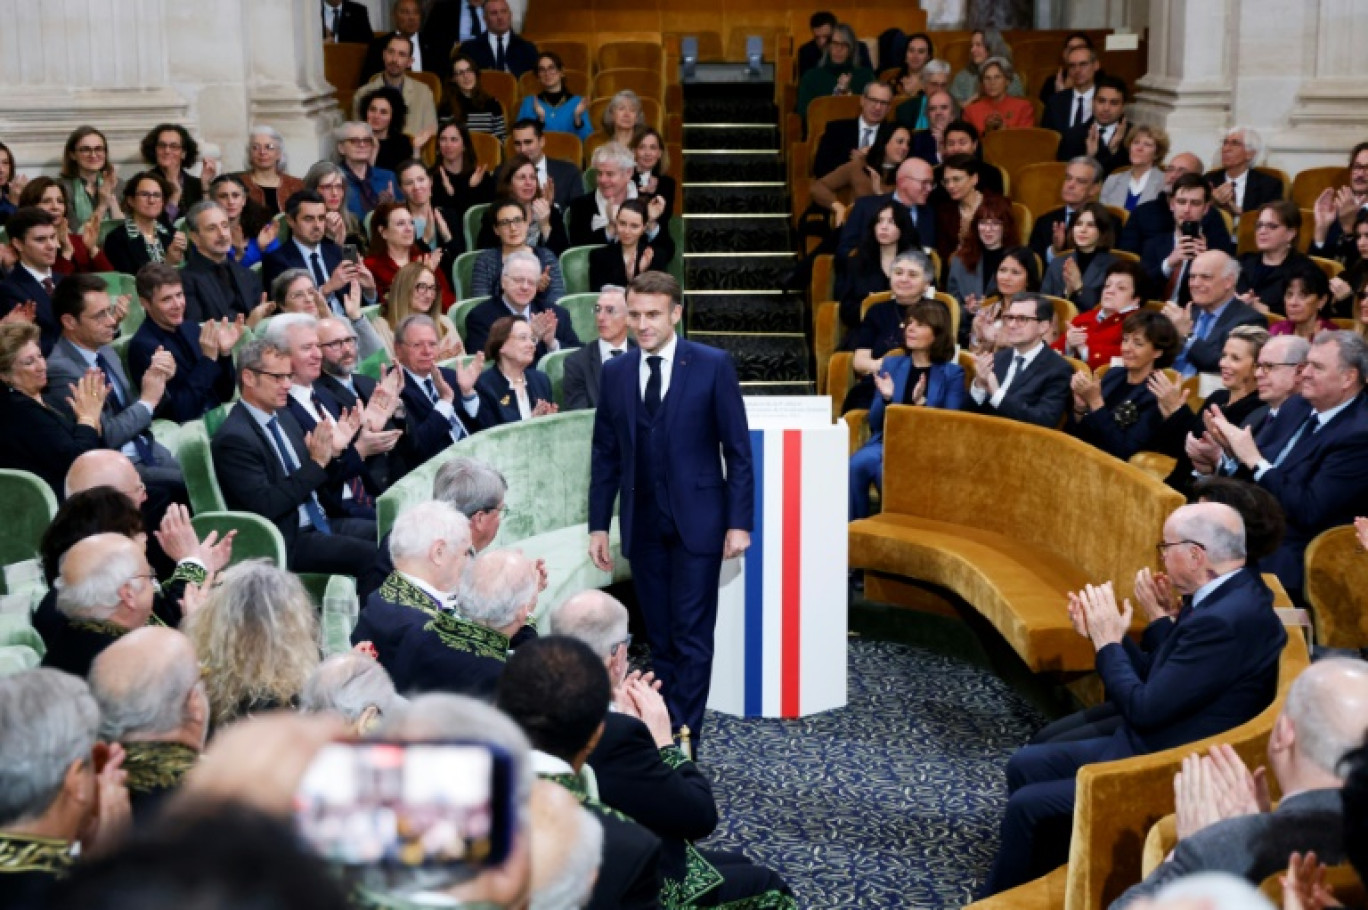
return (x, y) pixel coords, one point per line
(892, 801)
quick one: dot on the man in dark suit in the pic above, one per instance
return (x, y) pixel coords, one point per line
(810, 53)
(337, 341)
(499, 48)
(529, 139)
(1207, 670)
(558, 692)
(1167, 257)
(915, 180)
(267, 465)
(1236, 187)
(665, 411)
(1230, 831)
(82, 305)
(1082, 182)
(457, 21)
(346, 22)
(1155, 218)
(1336, 240)
(518, 291)
(844, 137)
(31, 283)
(1073, 107)
(1025, 380)
(1103, 137)
(309, 248)
(1205, 324)
(584, 368)
(941, 111)
(433, 420)
(431, 46)
(203, 353)
(216, 287)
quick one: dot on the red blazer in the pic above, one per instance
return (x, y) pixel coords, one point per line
(1104, 336)
(80, 260)
(1016, 113)
(384, 269)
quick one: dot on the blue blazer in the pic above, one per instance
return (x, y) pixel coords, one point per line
(497, 394)
(703, 415)
(287, 256)
(200, 384)
(21, 287)
(944, 389)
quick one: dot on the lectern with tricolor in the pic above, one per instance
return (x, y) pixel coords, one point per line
(782, 608)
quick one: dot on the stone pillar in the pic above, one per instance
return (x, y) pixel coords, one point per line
(102, 62)
(1327, 119)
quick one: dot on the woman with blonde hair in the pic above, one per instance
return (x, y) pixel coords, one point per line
(1144, 180)
(256, 635)
(415, 292)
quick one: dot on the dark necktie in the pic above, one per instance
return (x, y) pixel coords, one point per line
(337, 20)
(1080, 114)
(49, 286)
(456, 426)
(866, 136)
(614, 353)
(311, 506)
(316, 264)
(357, 486)
(1018, 364)
(499, 61)
(143, 441)
(652, 399)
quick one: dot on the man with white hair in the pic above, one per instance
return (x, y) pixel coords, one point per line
(50, 791)
(1225, 820)
(584, 368)
(1205, 323)
(106, 590)
(153, 703)
(355, 686)
(518, 297)
(1206, 670)
(590, 217)
(1236, 186)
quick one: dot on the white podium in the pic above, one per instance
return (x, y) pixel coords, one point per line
(780, 646)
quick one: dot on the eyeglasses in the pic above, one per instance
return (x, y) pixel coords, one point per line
(148, 194)
(278, 377)
(881, 102)
(426, 287)
(90, 150)
(266, 147)
(339, 343)
(509, 222)
(1161, 548)
(625, 643)
(1019, 319)
(169, 147)
(1264, 366)
(1359, 167)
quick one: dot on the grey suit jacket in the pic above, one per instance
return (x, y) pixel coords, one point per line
(583, 369)
(65, 366)
(1254, 846)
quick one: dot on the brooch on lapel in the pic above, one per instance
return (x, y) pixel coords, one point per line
(504, 401)
(1126, 414)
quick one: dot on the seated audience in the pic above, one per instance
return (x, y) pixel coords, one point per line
(154, 703)
(591, 215)
(1071, 105)
(415, 291)
(1082, 180)
(1338, 209)
(1118, 413)
(422, 109)
(310, 248)
(431, 41)
(367, 185)
(144, 236)
(430, 226)
(340, 224)
(1304, 302)
(78, 247)
(974, 265)
(170, 151)
(926, 376)
(393, 245)
(256, 635)
(268, 184)
(1236, 187)
(1017, 276)
(984, 45)
(82, 306)
(1025, 380)
(458, 179)
(558, 181)
(338, 342)
(1094, 336)
(432, 421)
(960, 180)
(863, 175)
(584, 367)
(512, 387)
(1156, 218)
(630, 252)
(1206, 670)
(1103, 137)
(53, 781)
(1264, 274)
(216, 287)
(1346, 286)
(1060, 80)
(1225, 821)
(522, 274)
(105, 590)
(1078, 275)
(912, 186)
(623, 121)
(255, 232)
(840, 71)
(519, 182)
(266, 464)
(652, 161)
(92, 186)
(810, 53)
(355, 686)
(555, 107)
(1168, 257)
(881, 328)
(914, 113)
(511, 222)
(907, 78)
(468, 104)
(960, 137)
(994, 108)
(1214, 311)
(41, 439)
(500, 48)
(1146, 146)
(867, 271)
(1263, 517)
(929, 143)
(26, 294)
(385, 113)
(844, 138)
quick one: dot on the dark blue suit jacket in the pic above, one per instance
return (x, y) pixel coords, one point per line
(21, 287)
(944, 389)
(426, 432)
(1211, 670)
(1154, 219)
(520, 55)
(1137, 426)
(863, 213)
(365, 387)
(350, 464)
(482, 318)
(288, 256)
(1323, 482)
(703, 415)
(1040, 395)
(494, 389)
(200, 384)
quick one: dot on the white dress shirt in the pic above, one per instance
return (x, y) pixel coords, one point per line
(606, 350)
(980, 394)
(666, 355)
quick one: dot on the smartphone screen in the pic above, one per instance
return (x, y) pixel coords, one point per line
(407, 806)
(350, 253)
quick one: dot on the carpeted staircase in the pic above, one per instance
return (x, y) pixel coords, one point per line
(740, 248)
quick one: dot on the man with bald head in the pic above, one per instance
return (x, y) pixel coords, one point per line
(106, 468)
(1224, 827)
(153, 702)
(1204, 669)
(1155, 218)
(1204, 324)
(915, 181)
(106, 590)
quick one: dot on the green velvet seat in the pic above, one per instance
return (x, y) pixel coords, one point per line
(473, 217)
(461, 310)
(574, 264)
(215, 418)
(553, 365)
(676, 266)
(29, 504)
(17, 659)
(546, 463)
(17, 630)
(197, 464)
(462, 271)
(581, 307)
(372, 364)
(122, 285)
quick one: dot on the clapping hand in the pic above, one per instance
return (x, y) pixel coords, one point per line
(984, 377)
(477, 176)
(884, 383)
(384, 400)
(1169, 394)
(1106, 624)
(1155, 594)
(1304, 886)
(88, 396)
(468, 374)
(544, 326)
(113, 813)
(1076, 337)
(230, 333)
(24, 312)
(543, 407)
(450, 346)
(1087, 390)
(267, 235)
(1059, 238)
(544, 280)
(175, 253)
(1073, 278)
(919, 391)
(1204, 452)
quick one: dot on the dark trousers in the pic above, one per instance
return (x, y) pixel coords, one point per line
(741, 879)
(348, 550)
(1039, 817)
(677, 591)
(1090, 723)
